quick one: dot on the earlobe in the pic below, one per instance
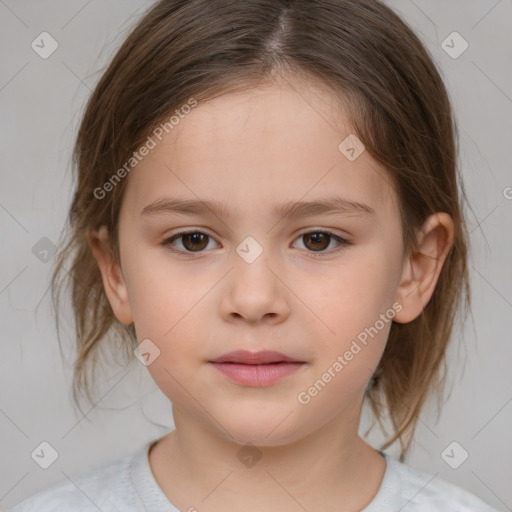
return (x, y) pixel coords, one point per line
(422, 267)
(113, 280)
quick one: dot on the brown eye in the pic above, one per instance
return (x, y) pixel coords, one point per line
(316, 241)
(319, 241)
(193, 241)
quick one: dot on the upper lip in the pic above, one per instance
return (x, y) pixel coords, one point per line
(246, 357)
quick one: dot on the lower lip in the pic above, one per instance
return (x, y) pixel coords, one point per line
(257, 375)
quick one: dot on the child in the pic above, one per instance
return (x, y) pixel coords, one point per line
(268, 209)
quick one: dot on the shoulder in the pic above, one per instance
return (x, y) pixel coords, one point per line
(420, 491)
(108, 489)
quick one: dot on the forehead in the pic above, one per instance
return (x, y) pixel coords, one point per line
(259, 147)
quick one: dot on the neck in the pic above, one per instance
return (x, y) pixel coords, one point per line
(333, 467)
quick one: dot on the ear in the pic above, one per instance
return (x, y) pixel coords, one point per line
(422, 268)
(113, 280)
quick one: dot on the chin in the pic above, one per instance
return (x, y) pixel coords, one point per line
(261, 431)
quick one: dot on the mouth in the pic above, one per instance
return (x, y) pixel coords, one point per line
(262, 357)
(256, 369)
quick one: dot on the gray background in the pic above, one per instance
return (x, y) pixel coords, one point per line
(40, 104)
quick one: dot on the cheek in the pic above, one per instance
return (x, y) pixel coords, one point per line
(169, 320)
(162, 294)
(165, 303)
(355, 310)
(351, 296)
(358, 309)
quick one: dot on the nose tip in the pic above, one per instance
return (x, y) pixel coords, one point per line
(254, 293)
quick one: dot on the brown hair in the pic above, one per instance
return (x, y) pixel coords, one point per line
(393, 95)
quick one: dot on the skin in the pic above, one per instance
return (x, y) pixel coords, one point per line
(250, 151)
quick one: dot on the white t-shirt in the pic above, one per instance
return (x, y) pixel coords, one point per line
(128, 485)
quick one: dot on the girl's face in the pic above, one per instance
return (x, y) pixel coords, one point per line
(265, 270)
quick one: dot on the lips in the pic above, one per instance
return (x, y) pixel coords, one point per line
(263, 357)
(256, 369)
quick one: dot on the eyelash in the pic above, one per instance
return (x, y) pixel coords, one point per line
(316, 254)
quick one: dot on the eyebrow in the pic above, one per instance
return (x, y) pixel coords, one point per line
(287, 210)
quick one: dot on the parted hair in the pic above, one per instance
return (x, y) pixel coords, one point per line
(393, 95)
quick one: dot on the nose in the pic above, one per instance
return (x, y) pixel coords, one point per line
(255, 292)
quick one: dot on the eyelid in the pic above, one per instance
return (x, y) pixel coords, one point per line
(332, 231)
